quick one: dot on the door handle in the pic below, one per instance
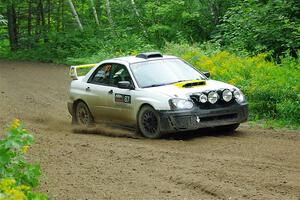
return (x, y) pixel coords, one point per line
(110, 92)
(88, 89)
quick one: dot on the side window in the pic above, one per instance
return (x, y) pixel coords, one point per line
(101, 75)
(120, 73)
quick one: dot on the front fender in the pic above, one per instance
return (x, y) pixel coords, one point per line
(157, 104)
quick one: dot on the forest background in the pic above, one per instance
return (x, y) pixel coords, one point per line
(253, 44)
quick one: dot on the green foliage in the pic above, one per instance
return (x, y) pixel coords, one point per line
(273, 90)
(259, 26)
(2, 20)
(252, 25)
(183, 20)
(77, 47)
(17, 177)
(254, 30)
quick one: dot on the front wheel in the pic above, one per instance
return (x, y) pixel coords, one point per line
(149, 122)
(83, 115)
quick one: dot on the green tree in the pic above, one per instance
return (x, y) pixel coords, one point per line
(257, 26)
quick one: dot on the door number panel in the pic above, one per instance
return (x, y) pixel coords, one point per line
(122, 98)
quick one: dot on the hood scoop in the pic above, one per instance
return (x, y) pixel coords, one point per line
(191, 84)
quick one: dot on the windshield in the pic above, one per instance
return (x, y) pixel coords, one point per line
(163, 72)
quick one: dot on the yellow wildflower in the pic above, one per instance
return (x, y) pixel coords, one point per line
(16, 123)
(25, 149)
(14, 194)
(9, 190)
(232, 81)
(23, 187)
(134, 52)
(7, 183)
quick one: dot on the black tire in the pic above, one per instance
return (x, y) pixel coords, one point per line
(83, 116)
(227, 128)
(149, 123)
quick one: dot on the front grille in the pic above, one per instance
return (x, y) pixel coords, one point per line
(218, 104)
(219, 117)
(182, 121)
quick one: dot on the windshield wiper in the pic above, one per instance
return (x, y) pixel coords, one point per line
(156, 85)
(162, 84)
(178, 81)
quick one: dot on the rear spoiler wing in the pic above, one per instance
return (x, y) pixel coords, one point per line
(80, 70)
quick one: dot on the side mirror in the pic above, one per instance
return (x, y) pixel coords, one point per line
(125, 85)
(207, 74)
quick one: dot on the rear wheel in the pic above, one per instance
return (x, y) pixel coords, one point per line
(227, 128)
(83, 115)
(149, 122)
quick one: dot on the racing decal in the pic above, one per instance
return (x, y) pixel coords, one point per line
(190, 84)
(122, 98)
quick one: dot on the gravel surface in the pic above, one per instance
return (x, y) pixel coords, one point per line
(111, 163)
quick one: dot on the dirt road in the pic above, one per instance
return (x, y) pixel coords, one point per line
(251, 164)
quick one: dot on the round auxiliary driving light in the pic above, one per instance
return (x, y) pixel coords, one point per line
(213, 97)
(239, 97)
(203, 98)
(227, 95)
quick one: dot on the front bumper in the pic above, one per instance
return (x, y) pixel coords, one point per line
(174, 121)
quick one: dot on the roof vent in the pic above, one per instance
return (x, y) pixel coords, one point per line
(150, 55)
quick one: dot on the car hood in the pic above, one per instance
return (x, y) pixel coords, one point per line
(174, 91)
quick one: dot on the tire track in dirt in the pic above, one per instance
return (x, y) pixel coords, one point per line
(112, 163)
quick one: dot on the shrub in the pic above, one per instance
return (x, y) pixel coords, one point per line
(17, 177)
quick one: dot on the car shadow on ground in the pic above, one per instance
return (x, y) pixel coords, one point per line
(108, 131)
(205, 132)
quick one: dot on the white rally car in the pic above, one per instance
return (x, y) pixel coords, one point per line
(156, 94)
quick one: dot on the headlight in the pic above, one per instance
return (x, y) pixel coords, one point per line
(227, 95)
(239, 97)
(203, 98)
(213, 97)
(180, 104)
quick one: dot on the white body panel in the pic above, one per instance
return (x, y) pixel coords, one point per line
(107, 108)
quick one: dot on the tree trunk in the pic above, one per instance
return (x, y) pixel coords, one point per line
(12, 26)
(42, 13)
(215, 10)
(98, 5)
(62, 15)
(108, 10)
(58, 16)
(95, 12)
(139, 18)
(48, 16)
(38, 23)
(75, 14)
(29, 24)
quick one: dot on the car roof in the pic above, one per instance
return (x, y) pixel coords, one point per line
(134, 59)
